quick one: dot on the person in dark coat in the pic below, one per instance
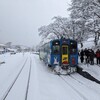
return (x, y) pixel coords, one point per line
(92, 55)
(98, 56)
(82, 56)
(86, 55)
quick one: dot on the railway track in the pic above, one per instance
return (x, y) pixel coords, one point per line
(27, 89)
(76, 82)
(72, 87)
(84, 84)
(12, 84)
(8, 90)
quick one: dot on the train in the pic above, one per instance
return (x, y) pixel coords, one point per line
(60, 52)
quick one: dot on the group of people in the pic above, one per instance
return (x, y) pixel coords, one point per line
(88, 55)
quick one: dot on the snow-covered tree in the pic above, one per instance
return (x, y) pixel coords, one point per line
(84, 20)
(61, 27)
(86, 16)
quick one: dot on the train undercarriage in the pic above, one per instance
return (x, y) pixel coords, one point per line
(64, 70)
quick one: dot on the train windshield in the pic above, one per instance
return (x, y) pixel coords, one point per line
(56, 47)
(73, 47)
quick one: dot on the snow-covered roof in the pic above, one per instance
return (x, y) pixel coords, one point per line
(11, 49)
(2, 45)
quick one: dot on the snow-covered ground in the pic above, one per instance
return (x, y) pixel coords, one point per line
(93, 70)
(25, 77)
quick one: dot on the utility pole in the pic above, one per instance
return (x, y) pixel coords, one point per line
(73, 26)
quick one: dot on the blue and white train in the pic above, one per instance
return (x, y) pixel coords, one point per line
(60, 52)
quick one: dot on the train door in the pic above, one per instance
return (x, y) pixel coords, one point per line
(64, 53)
(73, 53)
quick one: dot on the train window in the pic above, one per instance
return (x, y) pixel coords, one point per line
(56, 49)
(64, 50)
(73, 50)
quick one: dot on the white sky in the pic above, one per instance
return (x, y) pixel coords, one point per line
(20, 19)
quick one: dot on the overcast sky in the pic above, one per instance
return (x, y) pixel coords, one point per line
(20, 19)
